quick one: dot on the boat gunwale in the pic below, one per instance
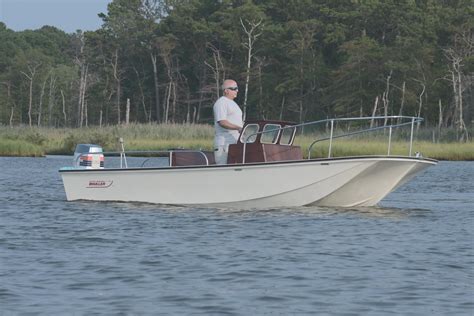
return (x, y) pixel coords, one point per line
(256, 164)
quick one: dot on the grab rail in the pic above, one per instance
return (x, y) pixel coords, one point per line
(169, 153)
(412, 121)
(390, 127)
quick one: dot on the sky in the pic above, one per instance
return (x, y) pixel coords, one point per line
(66, 15)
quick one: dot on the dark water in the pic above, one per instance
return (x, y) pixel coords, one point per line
(411, 256)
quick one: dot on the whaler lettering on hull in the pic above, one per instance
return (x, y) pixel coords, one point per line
(99, 184)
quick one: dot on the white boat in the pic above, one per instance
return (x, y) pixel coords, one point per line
(264, 170)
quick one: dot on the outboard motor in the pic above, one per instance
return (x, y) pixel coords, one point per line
(88, 156)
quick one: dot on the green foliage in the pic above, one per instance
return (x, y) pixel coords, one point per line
(310, 60)
(20, 148)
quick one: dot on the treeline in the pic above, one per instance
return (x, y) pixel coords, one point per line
(299, 60)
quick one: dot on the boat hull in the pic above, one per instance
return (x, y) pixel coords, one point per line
(343, 182)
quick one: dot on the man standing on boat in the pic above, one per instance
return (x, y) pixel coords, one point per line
(227, 121)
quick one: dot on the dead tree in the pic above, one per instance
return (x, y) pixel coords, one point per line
(302, 42)
(51, 98)
(402, 101)
(118, 81)
(374, 111)
(40, 105)
(385, 98)
(456, 79)
(8, 85)
(82, 94)
(420, 99)
(252, 31)
(167, 46)
(127, 112)
(32, 69)
(217, 68)
(153, 57)
(81, 63)
(64, 107)
(261, 62)
(142, 95)
(463, 48)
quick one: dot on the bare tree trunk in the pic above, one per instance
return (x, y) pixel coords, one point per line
(197, 112)
(30, 103)
(127, 113)
(301, 110)
(217, 68)
(402, 103)
(260, 109)
(421, 105)
(64, 108)
(166, 54)
(463, 48)
(420, 100)
(80, 61)
(117, 77)
(251, 38)
(301, 85)
(79, 100)
(82, 94)
(197, 115)
(174, 104)
(31, 76)
(374, 111)
(12, 111)
(157, 88)
(85, 113)
(9, 102)
(40, 106)
(282, 107)
(385, 97)
(142, 95)
(168, 100)
(51, 101)
(440, 118)
(188, 107)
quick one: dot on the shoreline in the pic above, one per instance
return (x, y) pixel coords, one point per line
(39, 142)
(441, 152)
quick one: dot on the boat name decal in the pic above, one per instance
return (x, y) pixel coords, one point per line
(99, 184)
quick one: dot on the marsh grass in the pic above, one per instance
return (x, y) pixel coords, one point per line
(440, 151)
(19, 148)
(25, 141)
(136, 137)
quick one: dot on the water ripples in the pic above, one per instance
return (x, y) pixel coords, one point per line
(413, 255)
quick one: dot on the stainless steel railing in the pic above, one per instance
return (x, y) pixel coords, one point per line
(410, 120)
(164, 153)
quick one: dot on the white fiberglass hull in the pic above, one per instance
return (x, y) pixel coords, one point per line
(344, 182)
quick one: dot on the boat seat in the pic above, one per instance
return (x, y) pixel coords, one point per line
(263, 153)
(191, 158)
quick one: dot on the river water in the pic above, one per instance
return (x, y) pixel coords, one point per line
(413, 255)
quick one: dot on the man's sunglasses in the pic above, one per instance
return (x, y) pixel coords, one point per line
(233, 88)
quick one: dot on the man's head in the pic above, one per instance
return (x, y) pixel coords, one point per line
(230, 89)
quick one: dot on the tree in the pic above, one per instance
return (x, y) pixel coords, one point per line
(252, 30)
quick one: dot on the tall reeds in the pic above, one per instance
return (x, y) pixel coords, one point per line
(26, 141)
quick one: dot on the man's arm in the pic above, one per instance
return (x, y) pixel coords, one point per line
(228, 125)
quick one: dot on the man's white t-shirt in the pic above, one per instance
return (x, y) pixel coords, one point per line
(226, 109)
